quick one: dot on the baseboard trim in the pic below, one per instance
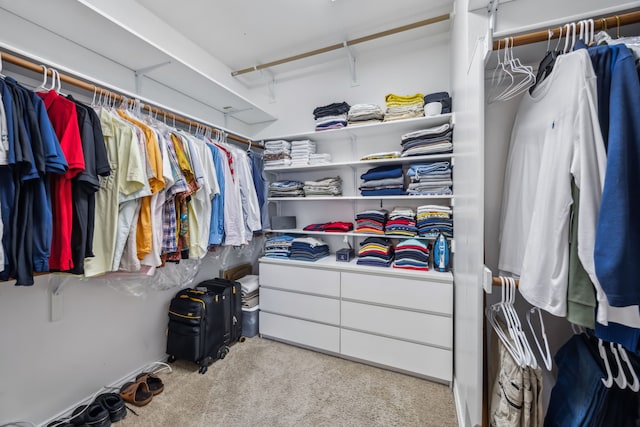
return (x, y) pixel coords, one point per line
(458, 404)
(117, 383)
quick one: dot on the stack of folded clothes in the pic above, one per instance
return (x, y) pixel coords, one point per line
(428, 141)
(331, 186)
(383, 181)
(376, 251)
(371, 221)
(278, 246)
(331, 227)
(430, 179)
(381, 155)
(332, 116)
(412, 254)
(435, 219)
(404, 107)
(286, 188)
(308, 249)
(249, 290)
(361, 114)
(301, 151)
(277, 153)
(401, 222)
(320, 159)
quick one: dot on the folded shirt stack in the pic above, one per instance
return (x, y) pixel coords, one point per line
(383, 181)
(278, 246)
(434, 219)
(286, 188)
(401, 222)
(428, 141)
(249, 290)
(382, 155)
(301, 151)
(277, 153)
(319, 159)
(430, 179)
(308, 249)
(377, 251)
(331, 227)
(371, 221)
(360, 114)
(411, 254)
(332, 116)
(404, 107)
(331, 186)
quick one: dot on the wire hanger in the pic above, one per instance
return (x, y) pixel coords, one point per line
(547, 359)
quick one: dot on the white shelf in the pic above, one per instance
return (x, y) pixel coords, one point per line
(349, 233)
(395, 127)
(330, 263)
(362, 163)
(333, 198)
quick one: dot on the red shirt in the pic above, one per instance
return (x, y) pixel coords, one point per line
(64, 119)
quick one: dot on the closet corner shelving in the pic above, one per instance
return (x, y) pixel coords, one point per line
(395, 318)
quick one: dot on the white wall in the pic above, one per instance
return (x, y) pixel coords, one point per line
(519, 15)
(109, 331)
(419, 65)
(467, 91)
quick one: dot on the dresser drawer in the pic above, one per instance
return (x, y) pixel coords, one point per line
(409, 325)
(310, 307)
(301, 332)
(398, 291)
(311, 280)
(420, 359)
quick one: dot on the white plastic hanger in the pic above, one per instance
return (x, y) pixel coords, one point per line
(1, 75)
(45, 75)
(621, 378)
(530, 357)
(635, 385)
(547, 359)
(603, 354)
(491, 314)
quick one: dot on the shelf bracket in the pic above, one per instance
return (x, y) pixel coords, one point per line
(271, 83)
(352, 64)
(56, 285)
(140, 73)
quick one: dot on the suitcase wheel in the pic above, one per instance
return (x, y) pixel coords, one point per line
(203, 370)
(171, 359)
(222, 353)
(242, 339)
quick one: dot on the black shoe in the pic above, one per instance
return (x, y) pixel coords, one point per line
(114, 404)
(60, 423)
(78, 420)
(97, 416)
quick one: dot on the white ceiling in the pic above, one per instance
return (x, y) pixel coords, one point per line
(244, 33)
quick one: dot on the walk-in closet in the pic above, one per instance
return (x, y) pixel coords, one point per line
(337, 212)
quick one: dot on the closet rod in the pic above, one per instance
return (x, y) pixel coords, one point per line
(609, 22)
(396, 30)
(16, 60)
(495, 281)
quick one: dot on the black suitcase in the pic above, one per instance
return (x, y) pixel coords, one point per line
(196, 328)
(232, 298)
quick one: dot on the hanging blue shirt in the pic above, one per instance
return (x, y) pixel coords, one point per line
(216, 231)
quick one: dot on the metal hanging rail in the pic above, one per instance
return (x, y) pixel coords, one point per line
(343, 45)
(16, 60)
(609, 22)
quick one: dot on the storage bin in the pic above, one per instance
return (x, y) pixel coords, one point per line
(250, 321)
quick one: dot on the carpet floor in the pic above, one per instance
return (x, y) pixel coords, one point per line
(266, 383)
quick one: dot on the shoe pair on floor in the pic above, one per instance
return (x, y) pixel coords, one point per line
(110, 408)
(141, 391)
(107, 408)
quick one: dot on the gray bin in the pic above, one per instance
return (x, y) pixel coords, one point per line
(250, 321)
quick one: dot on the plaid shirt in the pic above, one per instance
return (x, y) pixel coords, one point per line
(169, 230)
